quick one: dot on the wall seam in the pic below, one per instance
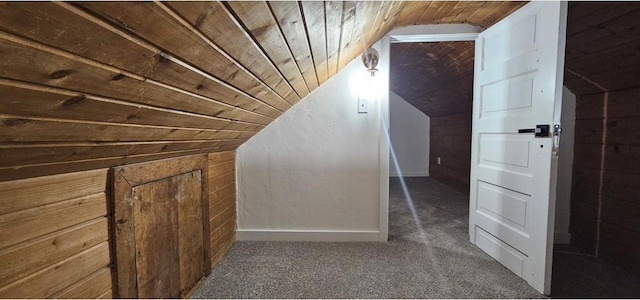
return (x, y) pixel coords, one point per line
(605, 105)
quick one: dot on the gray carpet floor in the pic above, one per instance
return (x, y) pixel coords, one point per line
(430, 258)
(577, 274)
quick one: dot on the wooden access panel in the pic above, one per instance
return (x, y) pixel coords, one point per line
(161, 213)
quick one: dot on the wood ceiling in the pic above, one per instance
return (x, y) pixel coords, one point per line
(601, 55)
(89, 85)
(436, 78)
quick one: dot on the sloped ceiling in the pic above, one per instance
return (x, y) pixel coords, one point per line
(601, 55)
(436, 78)
(98, 84)
(603, 47)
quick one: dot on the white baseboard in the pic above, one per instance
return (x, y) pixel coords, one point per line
(307, 236)
(410, 174)
(562, 238)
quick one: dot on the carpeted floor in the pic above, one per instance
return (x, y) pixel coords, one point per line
(577, 274)
(438, 262)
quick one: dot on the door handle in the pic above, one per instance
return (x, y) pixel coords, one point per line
(540, 130)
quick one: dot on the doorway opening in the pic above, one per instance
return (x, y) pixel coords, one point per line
(442, 148)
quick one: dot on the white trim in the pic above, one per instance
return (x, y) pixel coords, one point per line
(416, 33)
(308, 235)
(562, 238)
(410, 174)
(424, 38)
(435, 33)
(383, 142)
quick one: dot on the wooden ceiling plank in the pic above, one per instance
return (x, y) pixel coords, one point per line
(454, 13)
(371, 29)
(333, 15)
(211, 20)
(391, 18)
(348, 23)
(410, 12)
(16, 128)
(314, 19)
(427, 17)
(20, 172)
(363, 21)
(292, 26)
(502, 9)
(270, 97)
(420, 12)
(49, 66)
(153, 23)
(444, 11)
(436, 78)
(292, 97)
(39, 154)
(110, 49)
(479, 14)
(256, 17)
(41, 101)
(469, 8)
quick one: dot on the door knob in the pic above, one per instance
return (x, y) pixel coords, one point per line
(540, 130)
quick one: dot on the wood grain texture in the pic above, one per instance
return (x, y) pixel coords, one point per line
(192, 233)
(88, 73)
(33, 222)
(152, 22)
(54, 278)
(258, 20)
(436, 78)
(601, 67)
(161, 249)
(222, 199)
(55, 235)
(216, 22)
(26, 258)
(93, 286)
(451, 141)
(23, 194)
(314, 20)
(292, 26)
(156, 232)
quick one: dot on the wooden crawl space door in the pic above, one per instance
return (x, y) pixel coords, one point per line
(160, 227)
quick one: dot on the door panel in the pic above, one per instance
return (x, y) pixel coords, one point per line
(509, 256)
(191, 235)
(156, 237)
(518, 77)
(160, 227)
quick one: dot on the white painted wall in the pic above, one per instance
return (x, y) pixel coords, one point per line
(314, 174)
(409, 133)
(565, 168)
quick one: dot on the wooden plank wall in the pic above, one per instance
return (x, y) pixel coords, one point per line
(450, 140)
(55, 238)
(54, 233)
(88, 85)
(602, 64)
(222, 201)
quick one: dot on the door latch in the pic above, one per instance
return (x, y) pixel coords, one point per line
(557, 130)
(540, 130)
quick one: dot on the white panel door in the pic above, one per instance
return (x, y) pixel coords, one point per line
(518, 79)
